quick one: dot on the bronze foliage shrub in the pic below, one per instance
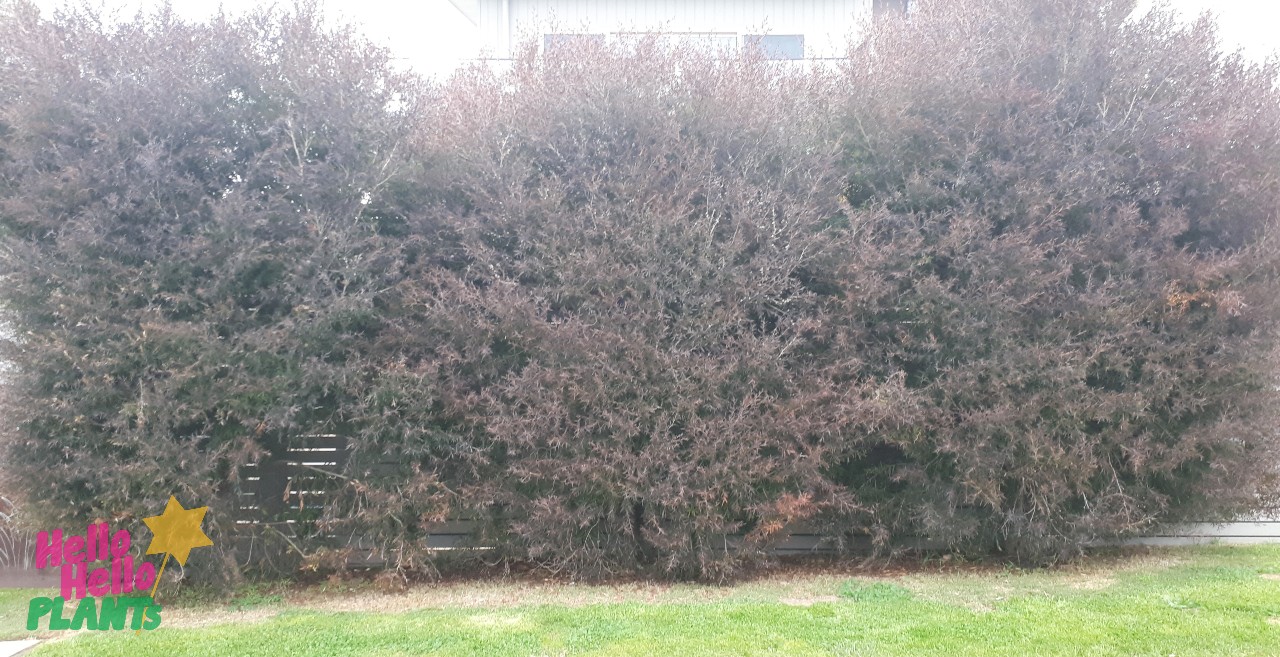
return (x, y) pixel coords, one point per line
(1004, 279)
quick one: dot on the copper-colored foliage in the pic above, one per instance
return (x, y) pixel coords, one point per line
(1005, 278)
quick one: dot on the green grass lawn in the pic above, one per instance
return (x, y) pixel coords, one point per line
(1185, 602)
(13, 612)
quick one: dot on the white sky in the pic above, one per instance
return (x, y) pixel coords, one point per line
(433, 37)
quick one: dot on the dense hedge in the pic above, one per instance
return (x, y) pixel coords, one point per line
(1005, 278)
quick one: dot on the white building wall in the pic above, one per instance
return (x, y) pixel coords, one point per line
(825, 24)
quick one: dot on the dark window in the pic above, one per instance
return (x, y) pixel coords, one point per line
(718, 43)
(776, 46)
(553, 41)
(879, 7)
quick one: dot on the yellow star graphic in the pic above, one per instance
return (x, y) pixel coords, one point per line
(176, 531)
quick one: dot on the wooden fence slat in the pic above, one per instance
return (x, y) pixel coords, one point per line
(1178, 541)
(318, 441)
(453, 527)
(1255, 529)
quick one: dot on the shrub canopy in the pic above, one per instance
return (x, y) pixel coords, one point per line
(1005, 279)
